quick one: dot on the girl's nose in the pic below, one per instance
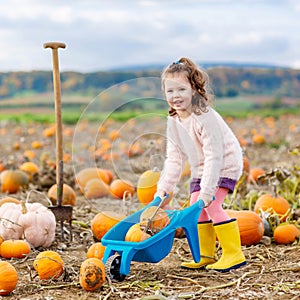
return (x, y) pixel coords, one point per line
(176, 94)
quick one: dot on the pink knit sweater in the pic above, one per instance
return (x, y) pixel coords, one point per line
(210, 147)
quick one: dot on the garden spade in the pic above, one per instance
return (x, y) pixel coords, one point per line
(62, 212)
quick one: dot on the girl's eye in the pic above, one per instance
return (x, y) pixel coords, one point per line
(182, 89)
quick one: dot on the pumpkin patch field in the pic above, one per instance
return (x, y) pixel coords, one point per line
(110, 170)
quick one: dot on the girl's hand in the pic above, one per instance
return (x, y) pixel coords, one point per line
(160, 194)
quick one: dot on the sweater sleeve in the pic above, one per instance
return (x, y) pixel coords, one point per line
(174, 162)
(213, 144)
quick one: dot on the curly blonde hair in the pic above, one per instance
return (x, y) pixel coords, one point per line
(198, 80)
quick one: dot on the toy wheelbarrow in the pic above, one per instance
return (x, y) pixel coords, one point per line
(119, 253)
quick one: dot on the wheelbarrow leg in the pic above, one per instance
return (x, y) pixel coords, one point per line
(189, 221)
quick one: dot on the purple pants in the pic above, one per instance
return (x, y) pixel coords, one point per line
(223, 183)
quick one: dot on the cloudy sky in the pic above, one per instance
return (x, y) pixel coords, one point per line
(105, 34)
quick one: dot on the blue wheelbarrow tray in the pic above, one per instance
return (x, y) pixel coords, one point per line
(158, 246)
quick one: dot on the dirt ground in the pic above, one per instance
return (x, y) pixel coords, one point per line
(272, 271)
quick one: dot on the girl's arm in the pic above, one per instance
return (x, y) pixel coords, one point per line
(173, 165)
(213, 149)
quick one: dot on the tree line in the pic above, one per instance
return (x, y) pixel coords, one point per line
(224, 81)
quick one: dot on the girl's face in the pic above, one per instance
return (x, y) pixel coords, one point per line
(179, 92)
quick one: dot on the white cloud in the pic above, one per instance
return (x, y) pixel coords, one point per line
(101, 34)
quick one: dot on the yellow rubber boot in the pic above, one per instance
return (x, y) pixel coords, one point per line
(232, 255)
(207, 242)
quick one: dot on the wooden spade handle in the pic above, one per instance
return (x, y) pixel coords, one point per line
(57, 97)
(54, 45)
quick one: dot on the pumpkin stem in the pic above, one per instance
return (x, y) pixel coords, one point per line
(24, 208)
(42, 194)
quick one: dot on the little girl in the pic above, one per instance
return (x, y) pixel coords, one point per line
(196, 132)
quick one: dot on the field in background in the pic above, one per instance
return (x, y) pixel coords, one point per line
(40, 107)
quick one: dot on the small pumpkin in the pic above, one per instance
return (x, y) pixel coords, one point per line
(286, 233)
(154, 223)
(186, 171)
(29, 154)
(96, 250)
(49, 265)
(251, 226)
(258, 139)
(14, 248)
(103, 221)
(49, 131)
(120, 188)
(272, 204)
(30, 168)
(96, 188)
(246, 164)
(13, 180)
(8, 278)
(136, 234)
(254, 174)
(114, 134)
(92, 274)
(109, 175)
(147, 186)
(83, 176)
(180, 233)
(68, 196)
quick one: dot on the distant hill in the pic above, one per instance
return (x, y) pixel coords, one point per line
(226, 79)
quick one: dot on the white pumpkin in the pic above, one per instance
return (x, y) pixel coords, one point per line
(9, 226)
(31, 221)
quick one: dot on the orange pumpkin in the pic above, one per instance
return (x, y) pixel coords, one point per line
(92, 274)
(83, 176)
(186, 171)
(13, 180)
(286, 233)
(37, 145)
(8, 278)
(113, 135)
(96, 250)
(273, 204)
(136, 234)
(96, 188)
(258, 139)
(154, 223)
(49, 265)
(109, 174)
(251, 226)
(118, 188)
(246, 165)
(30, 168)
(104, 221)
(29, 154)
(14, 248)
(147, 186)
(180, 233)
(254, 174)
(49, 131)
(68, 196)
